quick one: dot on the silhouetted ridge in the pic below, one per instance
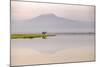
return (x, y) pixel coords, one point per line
(50, 15)
(52, 23)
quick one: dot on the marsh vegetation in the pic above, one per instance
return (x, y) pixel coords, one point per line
(15, 36)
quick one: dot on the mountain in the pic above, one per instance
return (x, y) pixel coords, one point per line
(51, 23)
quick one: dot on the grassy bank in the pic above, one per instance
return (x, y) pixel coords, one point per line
(15, 36)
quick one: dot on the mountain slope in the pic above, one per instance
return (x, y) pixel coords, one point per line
(51, 23)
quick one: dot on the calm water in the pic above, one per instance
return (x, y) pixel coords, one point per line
(56, 43)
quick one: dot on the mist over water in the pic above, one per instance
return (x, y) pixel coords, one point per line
(56, 43)
(60, 48)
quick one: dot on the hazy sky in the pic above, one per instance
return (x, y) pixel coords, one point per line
(28, 10)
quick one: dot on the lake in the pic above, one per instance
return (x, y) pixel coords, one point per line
(54, 49)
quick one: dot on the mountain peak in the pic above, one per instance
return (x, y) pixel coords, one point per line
(49, 15)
